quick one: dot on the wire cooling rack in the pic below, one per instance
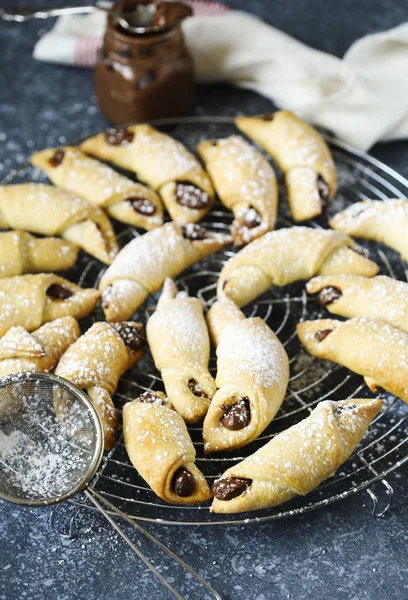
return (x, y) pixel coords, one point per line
(382, 450)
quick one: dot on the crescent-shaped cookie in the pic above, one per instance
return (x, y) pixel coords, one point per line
(302, 154)
(97, 361)
(245, 183)
(384, 221)
(39, 350)
(142, 266)
(163, 163)
(365, 345)
(252, 377)
(22, 253)
(287, 255)
(160, 448)
(349, 296)
(45, 209)
(123, 199)
(297, 460)
(180, 345)
(31, 300)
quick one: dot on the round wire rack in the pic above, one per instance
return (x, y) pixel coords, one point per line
(383, 449)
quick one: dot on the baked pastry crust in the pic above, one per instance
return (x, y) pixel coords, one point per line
(142, 266)
(44, 209)
(384, 221)
(246, 184)
(302, 154)
(22, 253)
(158, 445)
(31, 300)
(297, 460)
(71, 169)
(160, 161)
(365, 345)
(287, 255)
(180, 345)
(95, 363)
(39, 350)
(350, 296)
(252, 377)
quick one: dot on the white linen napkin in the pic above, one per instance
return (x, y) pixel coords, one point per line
(362, 98)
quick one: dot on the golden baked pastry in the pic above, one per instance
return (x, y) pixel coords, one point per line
(287, 255)
(163, 163)
(302, 154)
(31, 300)
(365, 345)
(160, 448)
(123, 199)
(44, 209)
(384, 221)
(297, 460)
(39, 350)
(180, 345)
(252, 377)
(97, 361)
(356, 296)
(22, 253)
(142, 266)
(246, 184)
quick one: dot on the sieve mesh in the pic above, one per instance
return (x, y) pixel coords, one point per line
(383, 449)
(51, 439)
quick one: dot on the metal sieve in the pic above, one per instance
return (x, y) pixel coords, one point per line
(51, 446)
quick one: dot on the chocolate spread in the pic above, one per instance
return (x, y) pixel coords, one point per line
(140, 77)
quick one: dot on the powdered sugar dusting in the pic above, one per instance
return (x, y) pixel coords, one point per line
(42, 455)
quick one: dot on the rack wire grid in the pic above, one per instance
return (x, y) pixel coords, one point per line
(383, 449)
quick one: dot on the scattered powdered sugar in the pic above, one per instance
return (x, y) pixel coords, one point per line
(246, 174)
(177, 332)
(43, 455)
(251, 349)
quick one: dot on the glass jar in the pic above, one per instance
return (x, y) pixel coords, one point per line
(146, 76)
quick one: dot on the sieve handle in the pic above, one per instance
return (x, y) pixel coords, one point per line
(97, 499)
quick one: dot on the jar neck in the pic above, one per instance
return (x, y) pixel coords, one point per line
(125, 48)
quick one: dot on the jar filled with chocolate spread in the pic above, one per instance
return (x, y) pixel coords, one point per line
(148, 75)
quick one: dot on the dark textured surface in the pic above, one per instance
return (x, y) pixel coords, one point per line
(341, 551)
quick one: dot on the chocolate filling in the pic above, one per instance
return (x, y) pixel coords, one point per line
(214, 142)
(324, 192)
(57, 158)
(322, 334)
(237, 416)
(131, 333)
(194, 232)
(195, 388)
(329, 294)
(252, 218)
(106, 295)
(188, 194)
(142, 206)
(183, 483)
(230, 487)
(267, 117)
(150, 398)
(119, 136)
(57, 291)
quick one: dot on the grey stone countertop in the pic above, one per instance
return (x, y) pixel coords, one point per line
(340, 551)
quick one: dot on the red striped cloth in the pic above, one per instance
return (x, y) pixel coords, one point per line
(86, 48)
